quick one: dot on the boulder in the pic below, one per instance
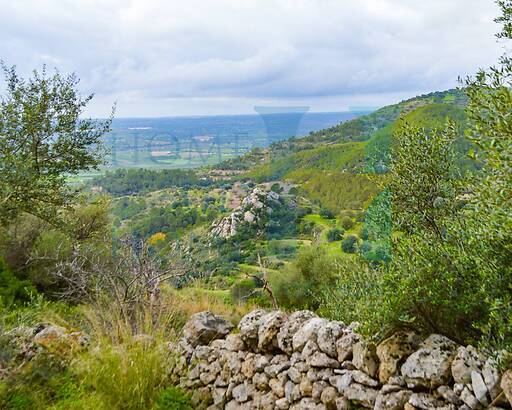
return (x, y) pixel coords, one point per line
(292, 325)
(49, 335)
(393, 351)
(203, 327)
(270, 324)
(430, 366)
(365, 358)
(466, 360)
(308, 331)
(327, 337)
(249, 327)
(345, 345)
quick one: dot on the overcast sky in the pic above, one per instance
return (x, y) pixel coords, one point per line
(173, 57)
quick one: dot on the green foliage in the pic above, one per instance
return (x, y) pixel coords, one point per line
(334, 234)
(349, 244)
(299, 285)
(377, 228)
(34, 248)
(242, 290)
(139, 180)
(338, 190)
(172, 398)
(13, 289)
(127, 376)
(44, 139)
(326, 213)
(347, 223)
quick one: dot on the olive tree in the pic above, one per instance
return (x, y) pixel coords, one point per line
(43, 140)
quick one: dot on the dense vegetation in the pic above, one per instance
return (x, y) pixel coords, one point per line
(139, 180)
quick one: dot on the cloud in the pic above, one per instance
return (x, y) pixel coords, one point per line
(169, 57)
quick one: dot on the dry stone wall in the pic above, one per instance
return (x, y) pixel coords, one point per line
(301, 361)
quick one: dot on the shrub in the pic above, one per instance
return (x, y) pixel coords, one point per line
(299, 285)
(334, 234)
(12, 289)
(347, 223)
(349, 244)
(326, 213)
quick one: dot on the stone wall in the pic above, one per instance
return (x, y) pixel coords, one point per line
(301, 361)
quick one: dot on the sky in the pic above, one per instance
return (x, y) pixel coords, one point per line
(207, 57)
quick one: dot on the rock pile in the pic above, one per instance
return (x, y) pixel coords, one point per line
(254, 209)
(301, 361)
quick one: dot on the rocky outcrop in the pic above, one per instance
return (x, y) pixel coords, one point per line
(301, 361)
(254, 211)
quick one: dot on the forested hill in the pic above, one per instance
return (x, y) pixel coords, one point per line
(442, 104)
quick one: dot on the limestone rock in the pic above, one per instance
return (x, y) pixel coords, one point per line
(320, 359)
(363, 395)
(393, 351)
(506, 385)
(449, 395)
(49, 335)
(328, 398)
(469, 399)
(430, 366)
(249, 326)
(491, 378)
(308, 331)
(344, 345)
(424, 401)
(479, 387)
(327, 337)
(203, 327)
(394, 400)
(365, 358)
(234, 343)
(270, 324)
(466, 360)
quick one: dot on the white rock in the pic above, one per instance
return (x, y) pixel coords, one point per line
(288, 330)
(479, 387)
(466, 360)
(328, 336)
(308, 331)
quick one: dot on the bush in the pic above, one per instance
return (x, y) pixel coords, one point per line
(334, 234)
(349, 244)
(12, 289)
(299, 285)
(326, 213)
(347, 223)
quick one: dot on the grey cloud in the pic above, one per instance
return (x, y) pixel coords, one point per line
(173, 57)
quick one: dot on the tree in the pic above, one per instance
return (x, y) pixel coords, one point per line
(42, 140)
